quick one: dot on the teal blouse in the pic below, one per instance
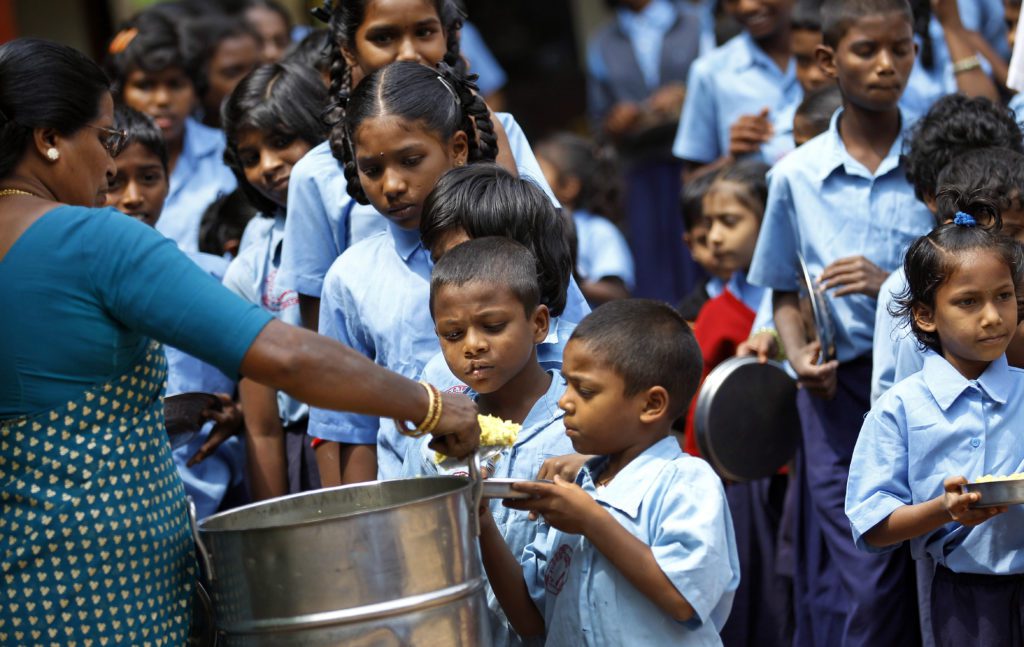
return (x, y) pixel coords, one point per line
(84, 290)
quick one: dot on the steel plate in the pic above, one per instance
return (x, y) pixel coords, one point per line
(824, 327)
(993, 493)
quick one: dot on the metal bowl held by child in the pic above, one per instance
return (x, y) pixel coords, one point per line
(382, 563)
(746, 420)
(997, 491)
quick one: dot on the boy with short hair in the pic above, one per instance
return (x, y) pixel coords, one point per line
(842, 202)
(640, 549)
(485, 301)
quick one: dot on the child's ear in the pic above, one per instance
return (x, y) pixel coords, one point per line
(655, 405)
(541, 321)
(826, 58)
(458, 148)
(924, 317)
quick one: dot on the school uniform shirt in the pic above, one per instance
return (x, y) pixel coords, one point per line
(323, 220)
(542, 437)
(736, 79)
(895, 352)
(933, 425)
(200, 176)
(675, 504)
(481, 61)
(602, 251)
(825, 205)
(254, 276)
(376, 300)
(1017, 105)
(549, 356)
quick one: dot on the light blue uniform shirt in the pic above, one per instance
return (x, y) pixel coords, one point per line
(254, 276)
(481, 60)
(323, 220)
(376, 300)
(896, 353)
(200, 176)
(602, 251)
(541, 437)
(826, 205)
(931, 426)
(1017, 105)
(736, 79)
(704, 10)
(675, 504)
(646, 30)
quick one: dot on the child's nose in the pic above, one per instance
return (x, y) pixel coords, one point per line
(394, 184)
(407, 51)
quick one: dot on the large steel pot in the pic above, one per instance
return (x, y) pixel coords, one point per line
(382, 563)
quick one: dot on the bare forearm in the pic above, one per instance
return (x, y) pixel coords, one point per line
(907, 522)
(604, 290)
(506, 577)
(789, 323)
(973, 83)
(266, 461)
(635, 560)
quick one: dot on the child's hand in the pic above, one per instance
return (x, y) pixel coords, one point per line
(947, 12)
(820, 380)
(764, 345)
(228, 422)
(668, 100)
(622, 117)
(563, 505)
(958, 504)
(567, 466)
(749, 132)
(853, 275)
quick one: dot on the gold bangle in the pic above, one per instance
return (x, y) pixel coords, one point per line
(967, 64)
(430, 421)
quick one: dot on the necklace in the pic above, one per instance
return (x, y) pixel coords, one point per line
(9, 192)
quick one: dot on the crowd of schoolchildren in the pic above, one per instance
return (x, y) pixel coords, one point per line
(359, 183)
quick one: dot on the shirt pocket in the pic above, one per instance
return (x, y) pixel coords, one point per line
(936, 451)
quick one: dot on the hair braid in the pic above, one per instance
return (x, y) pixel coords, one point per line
(476, 118)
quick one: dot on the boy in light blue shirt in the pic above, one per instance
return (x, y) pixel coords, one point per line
(842, 202)
(640, 549)
(485, 300)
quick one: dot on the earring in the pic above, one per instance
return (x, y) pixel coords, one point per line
(52, 154)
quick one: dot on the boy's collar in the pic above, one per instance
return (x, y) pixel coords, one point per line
(838, 156)
(946, 384)
(752, 54)
(629, 487)
(543, 412)
(407, 241)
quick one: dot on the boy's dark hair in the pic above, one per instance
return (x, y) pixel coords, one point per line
(152, 42)
(820, 105)
(932, 259)
(594, 165)
(313, 51)
(224, 220)
(837, 16)
(752, 175)
(806, 15)
(984, 183)
(280, 100)
(486, 200)
(141, 130)
(691, 200)
(953, 125)
(492, 260)
(440, 100)
(647, 344)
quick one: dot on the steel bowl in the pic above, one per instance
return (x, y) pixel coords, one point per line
(994, 493)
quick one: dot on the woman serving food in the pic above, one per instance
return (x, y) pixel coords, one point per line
(94, 534)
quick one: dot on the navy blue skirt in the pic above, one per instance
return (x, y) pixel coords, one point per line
(977, 610)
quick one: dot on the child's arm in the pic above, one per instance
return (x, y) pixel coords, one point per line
(910, 521)
(266, 461)
(506, 577)
(818, 379)
(567, 507)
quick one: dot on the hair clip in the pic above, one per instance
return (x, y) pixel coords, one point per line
(448, 86)
(964, 219)
(123, 39)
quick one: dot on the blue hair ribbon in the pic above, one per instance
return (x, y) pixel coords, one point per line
(964, 219)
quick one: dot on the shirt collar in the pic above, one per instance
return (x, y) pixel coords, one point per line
(837, 156)
(751, 54)
(543, 412)
(407, 241)
(946, 384)
(628, 488)
(658, 14)
(200, 140)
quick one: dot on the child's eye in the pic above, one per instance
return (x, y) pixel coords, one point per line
(454, 335)
(116, 184)
(370, 171)
(380, 38)
(412, 161)
(497, 327)
(281, 141)
(151, 178)
(425, 32)
(248, 160)
(966, 303)
(1006, 296)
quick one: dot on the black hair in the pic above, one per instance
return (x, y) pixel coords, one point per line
(152, 41)
(224, 220)
(440, 99)
(806, 15)
(280, 100)
(837, 16)
(493, 260)
(44, 85)
(141, 130)
(593, 164)
(953, 125)
(206, 35)
(486, 200)
(752, 176)
(691, 200)
(819, 105)
(647, 344)
(343, 18)
(270, 5)
(313, 51)
(922, 12)
(932, 259)
(983, 183)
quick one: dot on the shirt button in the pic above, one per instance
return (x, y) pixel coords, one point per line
(975, 442)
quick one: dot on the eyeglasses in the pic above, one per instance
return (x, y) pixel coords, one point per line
(113, 140)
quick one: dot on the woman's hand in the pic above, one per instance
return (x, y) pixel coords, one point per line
(458, 432)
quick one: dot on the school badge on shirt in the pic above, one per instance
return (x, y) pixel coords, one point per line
(558, 569)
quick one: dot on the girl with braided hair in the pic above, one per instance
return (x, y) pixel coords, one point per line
(405, 125)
